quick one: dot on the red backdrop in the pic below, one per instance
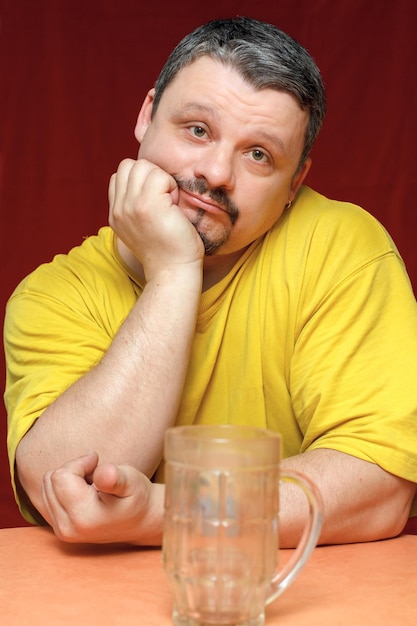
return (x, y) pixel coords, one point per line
(73, 74)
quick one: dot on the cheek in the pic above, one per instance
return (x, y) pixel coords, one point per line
(148, 149)
(162, 152)
(259, 209)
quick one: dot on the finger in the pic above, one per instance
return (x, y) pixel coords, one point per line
(83, 465)
(112, 191)
(62, 487)
(121, 481)
(118, 185)
(60, 496)
(53, 506)
(147, 182)
(157, 181)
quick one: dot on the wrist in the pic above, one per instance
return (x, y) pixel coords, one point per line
(150, 526)
(189, 273)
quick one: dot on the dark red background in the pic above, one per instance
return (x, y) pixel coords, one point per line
(73, 74)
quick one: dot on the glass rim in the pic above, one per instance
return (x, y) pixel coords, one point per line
(219, 432)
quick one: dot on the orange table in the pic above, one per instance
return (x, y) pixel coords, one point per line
(45, 582)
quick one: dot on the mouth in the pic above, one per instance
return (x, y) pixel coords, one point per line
(196, 195)
(202, 202)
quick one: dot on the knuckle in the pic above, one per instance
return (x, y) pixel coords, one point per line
(58, 477)
(126, 165)
(71, 528)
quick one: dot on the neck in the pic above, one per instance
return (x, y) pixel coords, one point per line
(217, 266)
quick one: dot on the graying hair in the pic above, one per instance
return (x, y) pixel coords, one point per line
(265, 57)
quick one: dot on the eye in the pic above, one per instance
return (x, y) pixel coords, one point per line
(258, 155)
(198, 131)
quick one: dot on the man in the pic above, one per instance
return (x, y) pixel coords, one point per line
(224, 291)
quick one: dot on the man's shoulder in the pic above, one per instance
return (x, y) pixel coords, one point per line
(84, 265)
(316, 217)
(309, 202)
(322, 241)
(94, 249)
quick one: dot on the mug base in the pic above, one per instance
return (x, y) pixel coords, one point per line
(215, 620)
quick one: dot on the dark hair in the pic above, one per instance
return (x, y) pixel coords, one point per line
(265, 57)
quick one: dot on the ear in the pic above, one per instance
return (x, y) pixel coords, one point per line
(145, 116)
(298, 179)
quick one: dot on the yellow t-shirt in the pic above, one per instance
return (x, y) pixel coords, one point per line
(313, 334)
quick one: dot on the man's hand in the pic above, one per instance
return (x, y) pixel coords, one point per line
(87, 502)
(145, 216)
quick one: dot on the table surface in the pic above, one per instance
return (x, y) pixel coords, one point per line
(44, 581)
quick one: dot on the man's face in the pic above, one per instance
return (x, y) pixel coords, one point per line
(233, 150)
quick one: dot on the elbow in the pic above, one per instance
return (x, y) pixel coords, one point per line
(388, 518)
(28, 487)
(394, 518)
(396, 508)
(383, 516)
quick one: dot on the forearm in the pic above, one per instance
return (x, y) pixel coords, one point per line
(362, 502)
(122, 407)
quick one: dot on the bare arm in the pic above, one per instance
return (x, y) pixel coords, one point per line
(122, 407)
(362, 502)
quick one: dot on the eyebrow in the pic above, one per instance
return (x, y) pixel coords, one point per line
(190, 107)
(276, 141)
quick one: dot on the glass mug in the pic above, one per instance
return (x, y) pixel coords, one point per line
(220, 542)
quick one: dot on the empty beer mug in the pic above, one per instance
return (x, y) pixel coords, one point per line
(220, 544)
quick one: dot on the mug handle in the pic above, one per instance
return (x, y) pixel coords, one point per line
(285, 577)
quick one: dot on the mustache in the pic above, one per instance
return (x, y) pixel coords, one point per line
(217, 194)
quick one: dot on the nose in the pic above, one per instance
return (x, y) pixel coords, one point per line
(217, 166)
